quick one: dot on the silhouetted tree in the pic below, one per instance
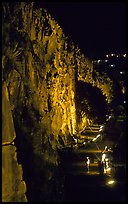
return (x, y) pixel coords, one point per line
(91, 101)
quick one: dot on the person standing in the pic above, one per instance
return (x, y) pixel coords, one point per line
(87, 164)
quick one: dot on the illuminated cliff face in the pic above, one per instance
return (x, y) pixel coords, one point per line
(40, 69)
(45, 75)
(13, 186)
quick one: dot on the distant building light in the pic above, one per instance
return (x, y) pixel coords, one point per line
(112, 65)
(106, 60)
(98, 61)
(107, 55)
(117, 55)
(124, 101)
(122, 72)
(112, 54)
(124, 55)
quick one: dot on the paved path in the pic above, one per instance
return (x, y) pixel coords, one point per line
(83, 186)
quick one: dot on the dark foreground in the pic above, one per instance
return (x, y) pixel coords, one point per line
(93, 188)
(83, 186)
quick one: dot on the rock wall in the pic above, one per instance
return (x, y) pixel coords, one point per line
(38, 68)
(13, 186)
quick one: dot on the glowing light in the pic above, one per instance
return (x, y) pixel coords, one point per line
(101, 127)
(96, 137)
(110, 150)
(117, 55)
(124, 101)
(98, 61)
(105, 147)
(103, 157)
(122, 72)
(108, 169)
(106, 60)
(111, 182)
(112, 65)
(124, 55)
(107, 55)
(109, 117)
(112, 54)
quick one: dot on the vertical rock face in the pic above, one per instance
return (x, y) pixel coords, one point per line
(41, 68)
(40, 75)
(13, 186)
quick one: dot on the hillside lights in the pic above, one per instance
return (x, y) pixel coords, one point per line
(122, 72)
(112, 65)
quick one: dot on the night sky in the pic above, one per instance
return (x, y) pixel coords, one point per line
(98, 28)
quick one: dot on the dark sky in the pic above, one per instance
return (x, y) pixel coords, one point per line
(98, 28)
